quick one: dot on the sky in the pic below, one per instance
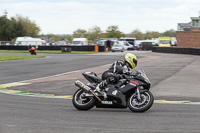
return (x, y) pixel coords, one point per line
(66, 16)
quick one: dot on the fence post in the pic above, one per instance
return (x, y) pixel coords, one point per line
(96, 48)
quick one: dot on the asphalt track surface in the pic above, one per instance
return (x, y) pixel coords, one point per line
(173, 77)
(51, 65)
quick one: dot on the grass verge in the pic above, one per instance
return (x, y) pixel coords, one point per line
(47, 52)
(18, 57)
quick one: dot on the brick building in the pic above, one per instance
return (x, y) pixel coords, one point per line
(188, 34)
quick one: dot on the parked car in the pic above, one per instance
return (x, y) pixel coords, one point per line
(60, 43)
(117, 47)
(126, 45)
(146, 45)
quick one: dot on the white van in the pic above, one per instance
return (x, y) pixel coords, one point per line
(130, 40)
(126, 45)
(79, 41)
(27, 41)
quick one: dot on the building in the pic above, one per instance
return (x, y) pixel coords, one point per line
(188, 34)
(184, 26)
(195, 24)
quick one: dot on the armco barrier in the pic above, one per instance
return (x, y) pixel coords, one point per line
(177, 50)
(73, 48)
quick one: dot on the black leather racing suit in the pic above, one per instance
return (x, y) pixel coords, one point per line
(113, 74)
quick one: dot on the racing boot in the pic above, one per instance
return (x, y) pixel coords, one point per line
(100, 87)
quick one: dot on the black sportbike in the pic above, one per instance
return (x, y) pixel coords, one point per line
(128, 92)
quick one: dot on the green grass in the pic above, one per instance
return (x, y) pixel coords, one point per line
(18, 57)
(47, 52)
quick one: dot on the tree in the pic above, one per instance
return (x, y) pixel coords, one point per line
(171, 33)
(94, 33)
(152, 34)
(16, 26)
(137, 34)
(156, 34)
(30, 26)
(80, 33)
(5, 27)
(10, 28)
(114, 32)
(17, 29)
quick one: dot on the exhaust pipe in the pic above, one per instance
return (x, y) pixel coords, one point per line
(82, 86)
(86, 88)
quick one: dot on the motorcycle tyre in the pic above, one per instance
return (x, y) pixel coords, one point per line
(142, 109)
(82, 107)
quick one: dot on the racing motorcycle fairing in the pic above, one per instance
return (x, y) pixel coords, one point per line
(114, 94)
(109, 104)
(142, 78)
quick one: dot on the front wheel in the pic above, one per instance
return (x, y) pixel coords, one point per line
(141, 105)
(81, 102)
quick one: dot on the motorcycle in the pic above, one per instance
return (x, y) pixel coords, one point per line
(32, 51)
(128, 92)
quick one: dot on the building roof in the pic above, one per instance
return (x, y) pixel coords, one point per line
(185, 25)
(195, 18)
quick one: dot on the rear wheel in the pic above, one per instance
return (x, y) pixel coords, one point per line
(141, 105)
(81, 102)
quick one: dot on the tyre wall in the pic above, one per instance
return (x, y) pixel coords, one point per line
(177, 50)
(73, 48)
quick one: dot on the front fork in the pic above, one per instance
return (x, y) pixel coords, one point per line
(138, 93)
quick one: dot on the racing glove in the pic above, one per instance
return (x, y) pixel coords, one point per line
(132, 75)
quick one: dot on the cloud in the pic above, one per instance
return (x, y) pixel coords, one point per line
(65, 16)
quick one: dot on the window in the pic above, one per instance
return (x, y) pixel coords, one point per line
(76, 42)
(165, 42)
(99, 43)
(129, 40)
(18, 42)
(126, 44)
(195, 23)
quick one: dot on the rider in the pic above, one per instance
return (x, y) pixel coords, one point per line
(32, 50)
(114, 73)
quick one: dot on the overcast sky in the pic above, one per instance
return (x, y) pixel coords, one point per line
(66, 16)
